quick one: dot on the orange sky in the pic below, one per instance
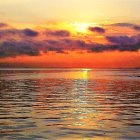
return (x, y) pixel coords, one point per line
(80, 60)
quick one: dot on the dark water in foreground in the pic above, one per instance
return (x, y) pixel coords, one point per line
(69, 104)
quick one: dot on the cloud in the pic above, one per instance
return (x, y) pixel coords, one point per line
(17, 42)
(136, 27)
(3, 25)
(58, 33)
(30, 33)
(121, 44)
(124, 43)
(9, 32)
(133, 26)
(96, 29)
(123, 24)
(122, 40)
(63, 44)
(103, 48)
(14, 48)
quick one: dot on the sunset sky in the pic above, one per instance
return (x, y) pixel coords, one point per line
(70, 33)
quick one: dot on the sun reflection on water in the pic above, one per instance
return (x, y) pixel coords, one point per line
(80, 89)
(84, 74)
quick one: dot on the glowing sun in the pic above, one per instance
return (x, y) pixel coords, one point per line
(82, 27)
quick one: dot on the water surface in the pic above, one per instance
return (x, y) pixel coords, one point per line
(66, 104)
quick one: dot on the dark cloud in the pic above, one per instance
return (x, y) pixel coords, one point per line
(9, 32)
(120, 43)
(96, 29)
(16, 32)
(64, 44)
(103, 48)
(121, 40)
(30, 33)
(58, 33)
(123, 24)
(124, 43)
(3, 25)
(13, 48)
(133, 26)
(74, 42)
(136, 27)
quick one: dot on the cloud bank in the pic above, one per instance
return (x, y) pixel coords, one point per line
(17, 42)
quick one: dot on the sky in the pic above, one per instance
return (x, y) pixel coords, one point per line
(70, 33)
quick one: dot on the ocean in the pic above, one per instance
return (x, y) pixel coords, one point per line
(69, 104)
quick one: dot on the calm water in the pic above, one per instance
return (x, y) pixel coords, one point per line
(69, 104)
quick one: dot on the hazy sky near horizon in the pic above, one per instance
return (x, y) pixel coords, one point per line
(38, 11)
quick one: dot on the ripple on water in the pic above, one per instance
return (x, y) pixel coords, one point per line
(38, 105)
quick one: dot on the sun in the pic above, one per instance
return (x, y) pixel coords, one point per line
(82, 27)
